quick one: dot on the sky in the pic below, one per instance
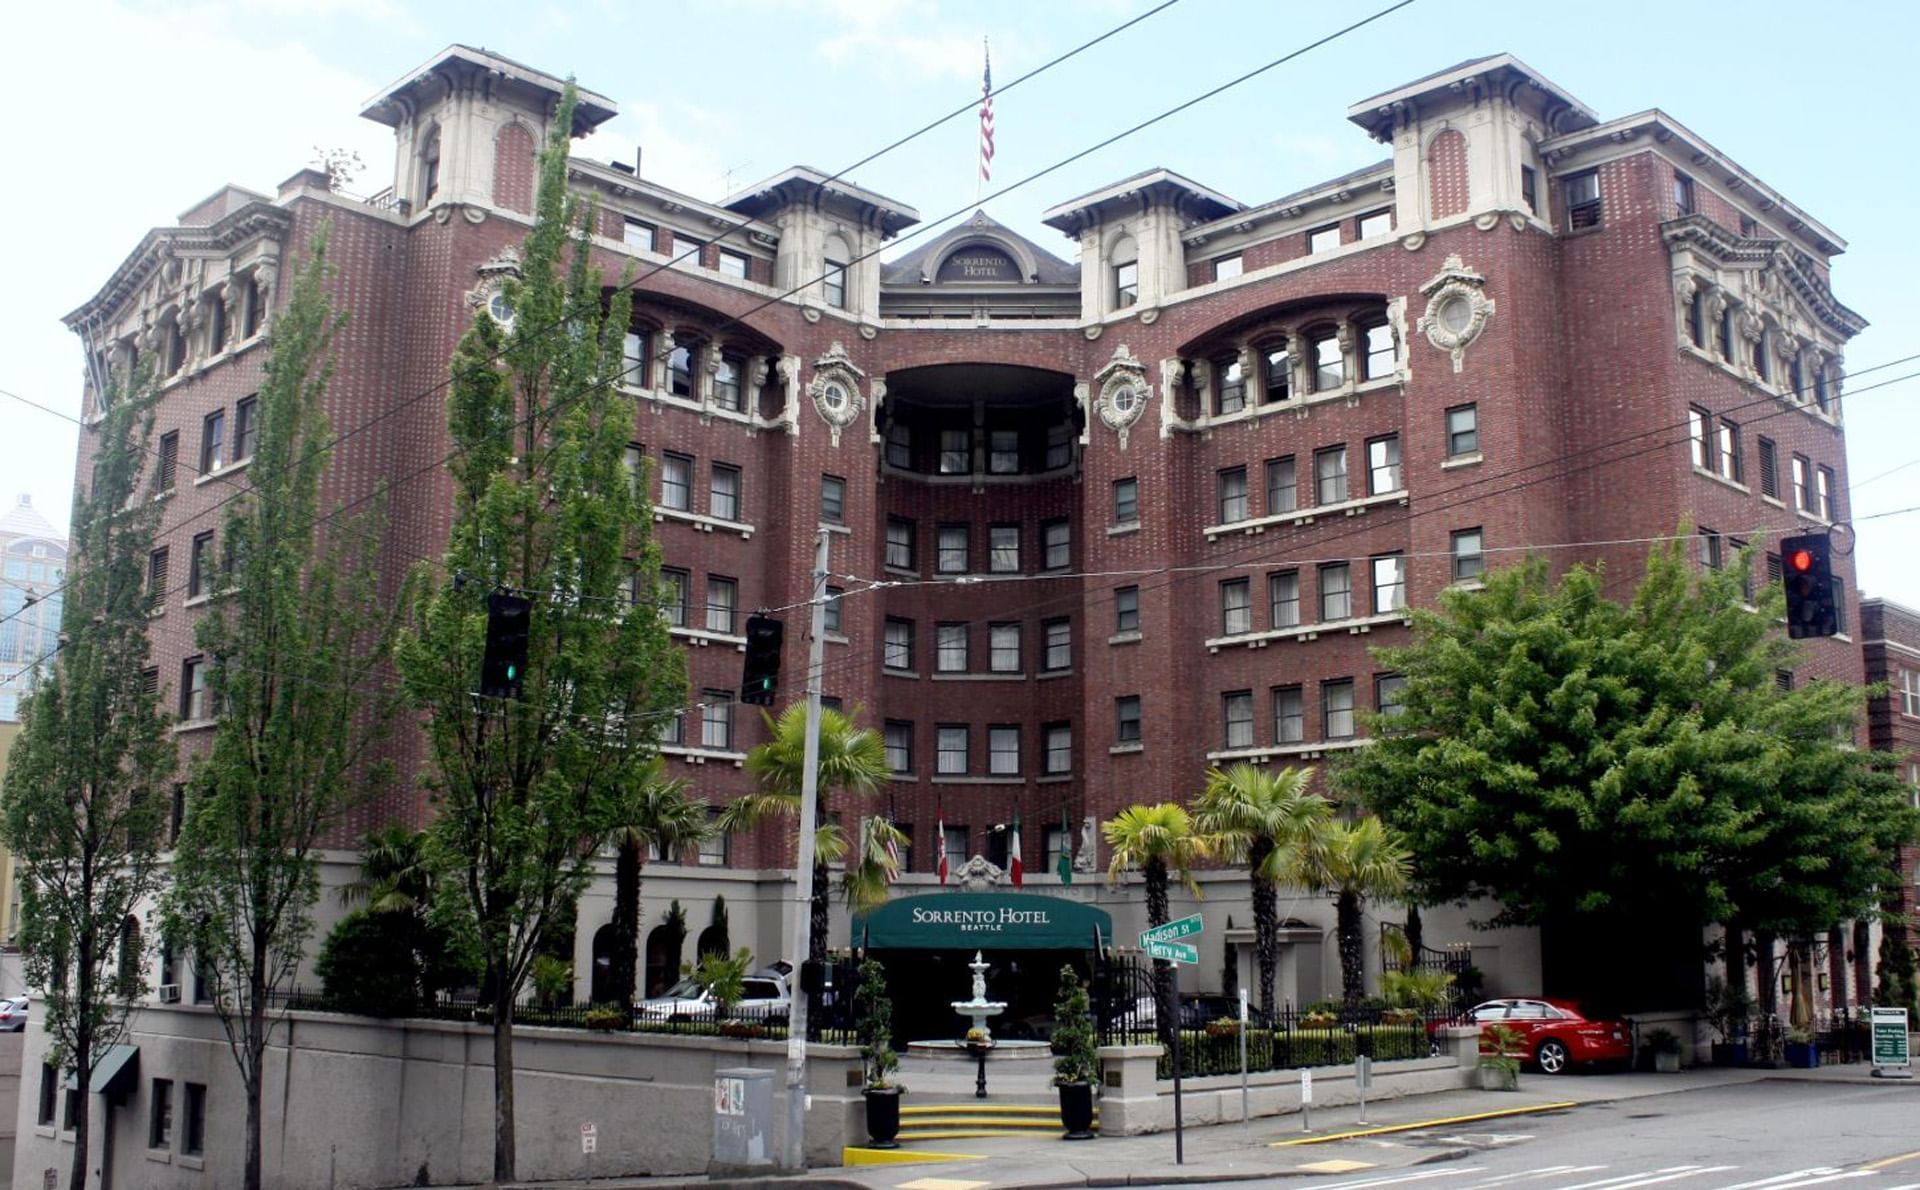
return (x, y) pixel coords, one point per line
(128, 113)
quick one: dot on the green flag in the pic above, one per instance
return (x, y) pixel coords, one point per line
(1065, 866)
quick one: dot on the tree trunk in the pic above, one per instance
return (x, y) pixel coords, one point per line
(1353, 951)
(1416, 935)
(256, 1046)
(624, 959)
(1266, 925)
(503, 1151)
(82, 1075)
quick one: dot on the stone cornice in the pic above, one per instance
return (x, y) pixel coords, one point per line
(672, 202)
(1700, 234)
(259, 220)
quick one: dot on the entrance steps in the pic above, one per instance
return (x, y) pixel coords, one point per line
(958, 1121)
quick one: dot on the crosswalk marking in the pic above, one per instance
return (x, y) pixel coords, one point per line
(1672, 1173)
(1401, 1179)
(1776, 1179)
(1832, 1177)
(1507, 1179)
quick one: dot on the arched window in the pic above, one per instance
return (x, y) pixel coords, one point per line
(663, 958)
(682, 365)
(1377, 356)
(250, 307)
(1329, 368)
(601, 989)
(1276, 371)
(834, 274)
(430, 165)
(1126, 272)
(1763, 356)
(216, 323)
(174, 352)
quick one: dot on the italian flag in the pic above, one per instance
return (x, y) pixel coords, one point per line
(1015, 868)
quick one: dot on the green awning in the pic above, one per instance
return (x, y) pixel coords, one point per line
(116, 1073)
(984, 921)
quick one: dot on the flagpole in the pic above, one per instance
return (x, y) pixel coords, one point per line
(985, 173)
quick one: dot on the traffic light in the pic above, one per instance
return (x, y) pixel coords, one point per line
(503, 669)
(761, 675)
(1806, 564)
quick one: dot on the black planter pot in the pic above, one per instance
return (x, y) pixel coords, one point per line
(883, 1117)
(1730, 1053)
(1076, 1110)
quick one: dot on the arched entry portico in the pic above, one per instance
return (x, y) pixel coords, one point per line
(926, 942)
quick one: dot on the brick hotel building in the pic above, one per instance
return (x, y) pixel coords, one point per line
(1141, 508)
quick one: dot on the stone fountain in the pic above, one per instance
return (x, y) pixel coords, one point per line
(979, 1008)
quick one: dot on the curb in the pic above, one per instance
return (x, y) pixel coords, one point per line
(1385, 1129)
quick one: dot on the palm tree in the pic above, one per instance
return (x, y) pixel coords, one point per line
(661, 816)
(1161, 841)
(1355, 861)
(1271, 823)
(394, 877)
(852, 760)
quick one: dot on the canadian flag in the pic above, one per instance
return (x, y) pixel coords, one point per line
(1015, 868)
(940, 828)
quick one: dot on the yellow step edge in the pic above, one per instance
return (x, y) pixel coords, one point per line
(963, 1134)
(1010, 1126)
(1012, 1109)
(857, 1155)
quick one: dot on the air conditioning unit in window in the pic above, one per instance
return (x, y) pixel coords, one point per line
(169, 993)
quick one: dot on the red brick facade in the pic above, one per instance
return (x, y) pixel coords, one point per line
(1890, 635)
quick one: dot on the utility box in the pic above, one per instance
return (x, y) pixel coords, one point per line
(742, 1119)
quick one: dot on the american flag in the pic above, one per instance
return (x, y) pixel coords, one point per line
(1016, 867)
(986, 121)
(893, 852)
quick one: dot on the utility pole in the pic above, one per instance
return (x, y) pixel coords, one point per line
(801, 929)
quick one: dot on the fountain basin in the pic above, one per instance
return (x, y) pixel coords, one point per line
(1002, 1051)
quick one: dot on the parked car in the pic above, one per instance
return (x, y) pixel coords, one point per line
(13, 1014)
(1198, 1010)
(1555, 1033)
(766, 999)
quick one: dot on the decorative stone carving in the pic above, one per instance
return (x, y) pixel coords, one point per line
(1457, 309)
(1149, 317)
(1414, 241)
(979, 875)
(1123, 392)
(1487, 220)
(787, 368)
(1086, 857)
(1095, 331)
(868, 331)
(1171, 371)
(835, 389)
(810, 313)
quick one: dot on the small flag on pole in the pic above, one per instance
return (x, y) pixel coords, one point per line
(1065, 864)
(893, 850)
(1015, 868)
(986, 117)
(940, 827)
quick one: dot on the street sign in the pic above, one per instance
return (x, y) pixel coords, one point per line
(1172, 952)
(589, 1137)
(1306, 1085)
(1190, 924)
(1890, 1038)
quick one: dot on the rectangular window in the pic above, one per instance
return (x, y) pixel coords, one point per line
(1236, 713)
(1059, 844)
(674, 729)
(1283, 598)
(1276, 373)
(1229, 385)
(1231, 487)
(1802, 484)
(834, 283)
(715, 849)
(1336, 591)
(633, 460)
(213, 438)
(1059, 445)
(956, 452)
(833, 499)
(951, 549)
(1126, 719)
(724, 499)
(1697, 319)
(1582, 194)
(1003, 549)
(635, 234)
(899, 737)
(1056, 540)
(1910, 693)
(193, 690)
(899, 543)
(634, 349)
(831, 624)
(1377, 359)
(676, 596)
(1698, 420)
(900, 446)
(676, 482)
(1376, 223)
(164, 475)
(160, 1115)
(1283, 486)
(1336, 709)
(1003, 648)
(1003, 751)
(1389, 583)
(685, 246)
(1825, 486)
(1682, 194)
(1820, 386)
(950, 648)
(1323, 239)
(49, 1090)
(1329, 365)
(1463, 431)
(200, 566)
(1126, 609)
(723, 602)
(1469, 563)
(1530, 188)
(1059, 644)
(1730, 462)
(1330, 475)
(732, 264)
(1126, 501)
(956, 845)
(1383, 465)
(682, 363)
(1712, 550)
(1059, 752)
(1227, 266)
(1126, 284)
(1003, 452)
(716, 719)
(1236, 607)
(1726, 333)
(727, 376)
(1289, 715)
(897, 650)
(1390, 694)
(1839, 605)
(950, 749)
(246, 427)
(193, 1141)
(1769, 468)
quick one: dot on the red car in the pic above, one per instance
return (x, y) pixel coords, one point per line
(1555, 1033)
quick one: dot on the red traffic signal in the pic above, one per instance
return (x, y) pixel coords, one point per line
(1813, 595)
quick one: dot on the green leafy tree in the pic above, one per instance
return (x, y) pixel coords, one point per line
(1270, 822)
(1160, 842)
(1073, 1041)
(527, 788)
(1356, 862)
(873, 1025)
(83, 811)
(392, 956)
(852, 760)
(299, 640)
(1591, 764)
(661, 816)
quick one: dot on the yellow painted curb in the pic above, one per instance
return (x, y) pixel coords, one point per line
(1386, 1128)
(860, 1156)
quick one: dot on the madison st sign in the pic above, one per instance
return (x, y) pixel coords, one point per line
(1008, 921)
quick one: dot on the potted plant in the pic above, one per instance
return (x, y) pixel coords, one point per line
(1664, 1045)
(1500, 1049)
(606, 1018)
(1075, 1066)
(1803, 1053)
(1728, 1009)
(873, 1026)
